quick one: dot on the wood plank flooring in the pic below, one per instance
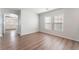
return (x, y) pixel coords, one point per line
(36, 41)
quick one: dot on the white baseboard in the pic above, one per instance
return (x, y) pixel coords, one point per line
(22, 34)
(51, 33)
(60, 35)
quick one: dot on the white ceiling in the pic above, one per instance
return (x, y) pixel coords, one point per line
(41, 10)
(36, 10)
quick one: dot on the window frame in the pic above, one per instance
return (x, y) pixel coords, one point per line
(59, 22)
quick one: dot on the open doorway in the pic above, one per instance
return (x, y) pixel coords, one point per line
(11, 27)
(11, 24)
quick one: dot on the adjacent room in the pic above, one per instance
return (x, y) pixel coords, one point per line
(39, 28)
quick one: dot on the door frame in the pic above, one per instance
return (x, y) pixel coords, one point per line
(3, 23)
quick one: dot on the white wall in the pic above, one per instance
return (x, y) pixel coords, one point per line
(0, 24)
(29, 22)
(71, 28)
(71, 23)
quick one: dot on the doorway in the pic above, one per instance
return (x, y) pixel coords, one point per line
(11, 26)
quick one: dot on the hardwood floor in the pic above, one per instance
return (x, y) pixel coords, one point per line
(36, 41)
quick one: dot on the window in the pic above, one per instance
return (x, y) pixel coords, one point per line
(54, 23)
(48, 23)
(58, 23)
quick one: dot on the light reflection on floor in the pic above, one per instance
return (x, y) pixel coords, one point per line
(11, 35)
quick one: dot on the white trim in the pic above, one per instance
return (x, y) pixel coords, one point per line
(28, 33)
(59, 35)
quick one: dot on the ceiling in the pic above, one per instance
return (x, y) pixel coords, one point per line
(36, 10)
(40, 10)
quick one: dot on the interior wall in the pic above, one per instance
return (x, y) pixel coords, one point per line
(71, 23)
(0, 23)
(29, 22)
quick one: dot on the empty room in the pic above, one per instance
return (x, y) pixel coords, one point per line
(39, 28)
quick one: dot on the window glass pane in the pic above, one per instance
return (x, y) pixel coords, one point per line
(48, 26)
(58, 27)
(47, 19)
(58, 19)
(48, 23)
(61, 19)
